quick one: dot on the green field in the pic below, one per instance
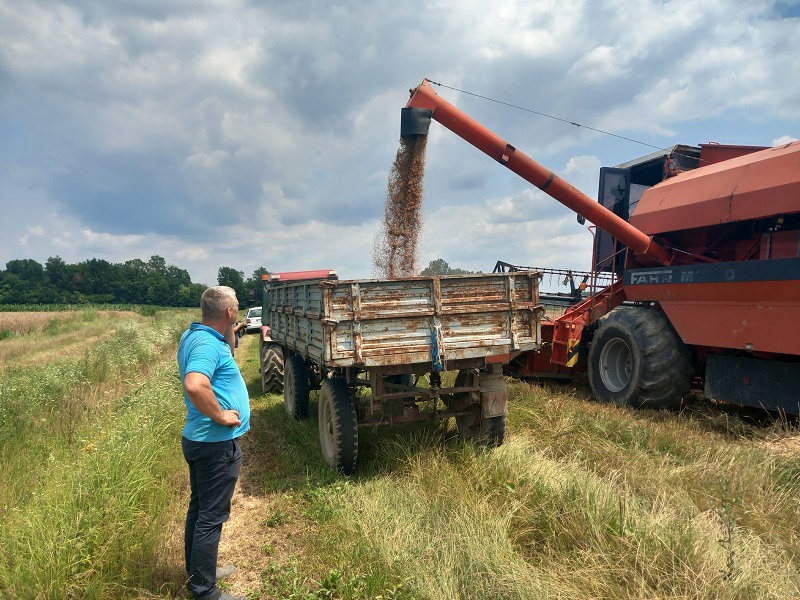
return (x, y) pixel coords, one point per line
(582, 501)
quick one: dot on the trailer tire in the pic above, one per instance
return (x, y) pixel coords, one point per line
(636, 359)
(488, 431)
(296, 388)
(271, 367)
(338, 427)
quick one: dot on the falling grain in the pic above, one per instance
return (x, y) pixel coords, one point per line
(395, 250)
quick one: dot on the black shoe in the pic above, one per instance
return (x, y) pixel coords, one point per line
(226, 571)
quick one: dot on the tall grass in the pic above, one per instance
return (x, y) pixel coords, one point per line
(582, 501)
(452, 522)
(89, 492)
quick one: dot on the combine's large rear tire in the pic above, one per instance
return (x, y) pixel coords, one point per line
(636, 359)
(488, 431)
(295, 388)
(338, 429)
(271, 368)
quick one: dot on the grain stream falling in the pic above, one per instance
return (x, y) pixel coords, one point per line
(395, 250)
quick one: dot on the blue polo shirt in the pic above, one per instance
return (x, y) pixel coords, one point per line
(204, 350)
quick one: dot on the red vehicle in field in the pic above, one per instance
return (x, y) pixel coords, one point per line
(704, 246)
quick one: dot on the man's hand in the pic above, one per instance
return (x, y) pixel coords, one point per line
(198, 388)
(230, 417)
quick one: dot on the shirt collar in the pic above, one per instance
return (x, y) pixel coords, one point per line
(195, 326)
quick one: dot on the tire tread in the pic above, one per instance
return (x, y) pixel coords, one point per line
(664, 365)
(335, 392)
(271, 368)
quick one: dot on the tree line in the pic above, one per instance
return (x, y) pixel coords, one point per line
(154, 282)
(98, 281)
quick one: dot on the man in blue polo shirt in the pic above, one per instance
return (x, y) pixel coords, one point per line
(218, 412)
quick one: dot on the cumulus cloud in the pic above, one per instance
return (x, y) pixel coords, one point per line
(784, 139)
(252, 134)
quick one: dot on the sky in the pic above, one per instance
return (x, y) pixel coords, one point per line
(257, 133)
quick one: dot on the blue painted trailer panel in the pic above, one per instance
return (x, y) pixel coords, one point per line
(382, 322)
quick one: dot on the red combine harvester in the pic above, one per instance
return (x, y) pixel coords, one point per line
(704, 246)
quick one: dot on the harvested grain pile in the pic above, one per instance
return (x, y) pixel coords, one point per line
(395, 250)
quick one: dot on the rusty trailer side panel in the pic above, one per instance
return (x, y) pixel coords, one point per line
(407, 321)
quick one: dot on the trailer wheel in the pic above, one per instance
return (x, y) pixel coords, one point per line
(295, 388)
(271, 368)
(489, 431)
(338, 430)
(636, 359)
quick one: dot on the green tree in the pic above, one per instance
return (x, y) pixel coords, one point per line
(156, 264)
(440, 267)
(58, 273)
(27, 269)
(131, 284)
(25, 281)
(189, 295)
(96, 280)
(234, 279)
(14, 289)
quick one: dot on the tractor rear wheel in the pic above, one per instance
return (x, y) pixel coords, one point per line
(489, 431)
(338, 429)
(295, 388)
(636, 359)
(271, 368)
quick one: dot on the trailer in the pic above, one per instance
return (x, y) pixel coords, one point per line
(368, 344)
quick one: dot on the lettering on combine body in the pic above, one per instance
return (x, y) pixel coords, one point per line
(651, 277)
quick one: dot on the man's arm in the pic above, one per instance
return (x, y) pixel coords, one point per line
(198, 388)
(229, 337)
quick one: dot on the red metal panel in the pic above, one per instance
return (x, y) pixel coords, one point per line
(758, 316)
(780, 244)
(714, 153)
(300, 275)
(754, 186)
(757, 328)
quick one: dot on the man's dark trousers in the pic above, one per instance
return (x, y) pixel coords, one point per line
(213, 471)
